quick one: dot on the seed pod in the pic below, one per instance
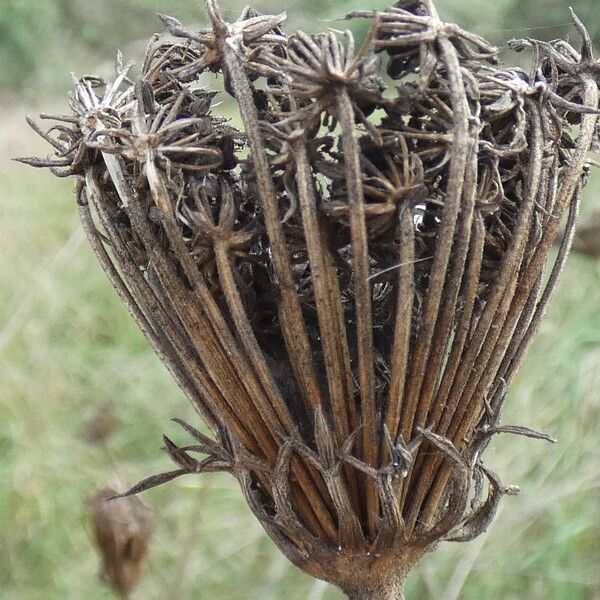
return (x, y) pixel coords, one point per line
(122, 530)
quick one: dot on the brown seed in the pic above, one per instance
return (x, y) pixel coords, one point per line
(100, 425)
(122, 530)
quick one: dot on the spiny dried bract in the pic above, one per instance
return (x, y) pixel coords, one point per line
(251, 32)
(418, 29)
(317, 66)
(345, 288)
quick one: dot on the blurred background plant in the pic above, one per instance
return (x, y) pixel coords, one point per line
(68, 349)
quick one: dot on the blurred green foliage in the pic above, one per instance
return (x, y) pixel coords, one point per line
(39, 39)
(23, 29)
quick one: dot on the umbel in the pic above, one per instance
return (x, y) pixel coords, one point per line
(345, 285)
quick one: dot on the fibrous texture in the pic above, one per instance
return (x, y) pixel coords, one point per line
(345, 286)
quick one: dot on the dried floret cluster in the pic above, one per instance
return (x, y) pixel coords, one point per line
(344, 286)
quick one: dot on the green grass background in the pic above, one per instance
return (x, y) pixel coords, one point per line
(67, 345)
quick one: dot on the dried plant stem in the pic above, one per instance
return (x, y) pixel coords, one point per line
(166, 337)
(476, 358)
(275, 415)
(388, 590)
(511, 362)
(404, 310)
(165, 353)
(295, 336)
(567, 192)
(392, 594)
(362, 295)
(462, 148)
(294, 331)
(331, 318)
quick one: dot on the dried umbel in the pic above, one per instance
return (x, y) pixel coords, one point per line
(345, 287)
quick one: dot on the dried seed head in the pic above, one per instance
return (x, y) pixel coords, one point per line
(317, 66)
(345, 288)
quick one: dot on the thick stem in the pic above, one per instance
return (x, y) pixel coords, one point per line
(380, 595)
(392, 591)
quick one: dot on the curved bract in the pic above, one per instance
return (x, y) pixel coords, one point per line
(344, 288)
